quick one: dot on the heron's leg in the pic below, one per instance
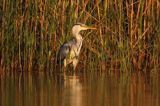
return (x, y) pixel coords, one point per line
(65, 64)
(75, 61)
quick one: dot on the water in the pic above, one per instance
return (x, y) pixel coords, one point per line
(80, 89)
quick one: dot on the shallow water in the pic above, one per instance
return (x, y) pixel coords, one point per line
(79, 89)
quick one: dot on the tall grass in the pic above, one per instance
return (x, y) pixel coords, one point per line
(128, 35)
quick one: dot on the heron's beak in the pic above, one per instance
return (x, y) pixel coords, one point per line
(89, 27)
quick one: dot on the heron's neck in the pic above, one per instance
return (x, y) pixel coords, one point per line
(78, 37)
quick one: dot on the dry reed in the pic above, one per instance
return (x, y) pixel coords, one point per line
(127, 38)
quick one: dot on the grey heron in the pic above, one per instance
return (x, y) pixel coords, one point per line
(69, 51)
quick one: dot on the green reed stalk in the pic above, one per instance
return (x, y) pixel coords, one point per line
(127, 33)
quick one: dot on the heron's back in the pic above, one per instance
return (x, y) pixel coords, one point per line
(64, 51)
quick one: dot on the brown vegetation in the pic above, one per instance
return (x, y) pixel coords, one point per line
(128, 35)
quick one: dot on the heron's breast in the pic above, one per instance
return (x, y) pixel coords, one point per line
(74, 53)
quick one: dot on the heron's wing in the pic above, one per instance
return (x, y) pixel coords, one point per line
(64, 51)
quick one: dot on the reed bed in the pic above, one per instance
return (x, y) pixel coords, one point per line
(127, 39)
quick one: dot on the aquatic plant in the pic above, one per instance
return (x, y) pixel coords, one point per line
(127, 38)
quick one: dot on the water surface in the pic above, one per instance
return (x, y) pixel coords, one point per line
(79, 89)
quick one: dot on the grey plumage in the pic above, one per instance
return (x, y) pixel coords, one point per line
(64, 51)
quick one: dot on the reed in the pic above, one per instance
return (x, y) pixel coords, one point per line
(127, 38)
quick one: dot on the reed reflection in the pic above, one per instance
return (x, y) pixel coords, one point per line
(79, 89)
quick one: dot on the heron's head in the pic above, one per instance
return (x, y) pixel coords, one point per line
(79, 27)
